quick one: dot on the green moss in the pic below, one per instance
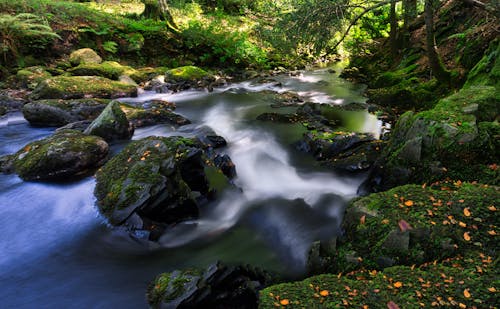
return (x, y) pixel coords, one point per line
(58, 156)
(187, 73)
(109, 69)
(487, 70)
(75, 87)
(32, 76)
(438, 218)
(169, 286)
(448, 284)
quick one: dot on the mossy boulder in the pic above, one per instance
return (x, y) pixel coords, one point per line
(464, 282)
(57, 112)
(30, 77)
(109, 69)
(187, 73)
(185, 77)
(65, 154)
(218, 286)
(77, 87)
(157, 181)
(411, 225)
(112, 124)
(457, 138)
(487, 71)
(84, 55)
(152, 113)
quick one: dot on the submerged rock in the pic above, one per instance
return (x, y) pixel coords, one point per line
(61, 112)
(112, 124)
(65, 154)
(157, 181)
(77, 87)
(218, 286)
(152, 113)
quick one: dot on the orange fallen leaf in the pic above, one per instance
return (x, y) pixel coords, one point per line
(467, 236)
(284, 302)
(385, 221)
(492, 289)
(467, 212)
(409, 203)
(398, 284)
(492, 208)
(492, 233)
(462, 305)
(324, 293)
(467, 293)
(462, 224)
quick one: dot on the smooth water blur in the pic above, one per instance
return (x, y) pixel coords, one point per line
(56, 251)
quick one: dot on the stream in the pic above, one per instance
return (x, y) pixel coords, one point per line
(56, 251)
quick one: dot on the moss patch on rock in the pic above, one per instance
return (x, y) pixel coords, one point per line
(30, 77)
(109, 69)
(187, 73)
(77, 87)
(112, 124)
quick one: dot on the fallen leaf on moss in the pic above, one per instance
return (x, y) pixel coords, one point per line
(462, 305)
(467, 236)
(398, 284)
(362, 220)
(467, 293)
(492, 208)
(492, 233)
(467, 212)
(462, 224)
(324, 293)
(409, 203)
(284, 302)
(492, 289)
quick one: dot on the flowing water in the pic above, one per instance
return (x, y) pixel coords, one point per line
(56, 251)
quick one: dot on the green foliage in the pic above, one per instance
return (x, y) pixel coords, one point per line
(212, 44)
(110, 46)
(23, 29)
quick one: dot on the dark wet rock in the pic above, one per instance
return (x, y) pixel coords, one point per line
(7, 164)
(61, 112)
(10, 103)
(332, 71)
(152, 113)
(285, 99)
(112, 124)
(327, 145)
(206, 137)
(157, 181)
(282, 118)
(226, 165)
(77, 87)
(84, 55)
(78, 126)
(218, 286)
(65, 154)
(358, 158)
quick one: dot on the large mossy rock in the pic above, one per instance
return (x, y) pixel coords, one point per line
(84, 55)
(218, 286)
(30, 77)
(65, 154)
(458, 139)
(187, 73)
(411, 225)
(77, 87)
(57, 112)
(157, 179)
(112, 124)
(109, 69)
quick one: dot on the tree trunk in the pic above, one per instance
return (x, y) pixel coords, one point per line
(410, 12)
(435, 62)
(394, 29)
(158, 10)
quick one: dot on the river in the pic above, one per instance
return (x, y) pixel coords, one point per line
(56, 251)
